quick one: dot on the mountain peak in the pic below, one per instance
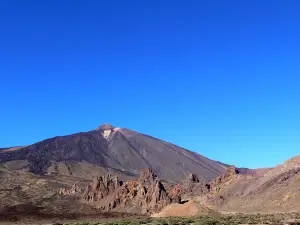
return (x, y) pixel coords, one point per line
(105, 126)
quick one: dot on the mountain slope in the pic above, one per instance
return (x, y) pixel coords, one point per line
(110, 149)
(268, 191)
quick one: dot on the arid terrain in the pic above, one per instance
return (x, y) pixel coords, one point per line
(112, 173)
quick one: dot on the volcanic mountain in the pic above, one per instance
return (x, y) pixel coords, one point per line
(106, 149)
(111, 169)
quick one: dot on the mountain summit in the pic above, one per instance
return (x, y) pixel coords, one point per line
(105, 126)
(109, 149)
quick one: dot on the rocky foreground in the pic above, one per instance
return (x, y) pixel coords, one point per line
(145, 195)
(35, 197)
(274, 191)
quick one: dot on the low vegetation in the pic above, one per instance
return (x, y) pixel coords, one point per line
(232, 219)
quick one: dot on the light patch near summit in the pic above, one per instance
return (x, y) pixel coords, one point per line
(106, 133)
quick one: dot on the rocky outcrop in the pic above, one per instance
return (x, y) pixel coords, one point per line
(157, 197)
(193, 178)
(147, 176)
(193, 187)
(220, 181)
(146, 195)
(101, 187)
(189, 187)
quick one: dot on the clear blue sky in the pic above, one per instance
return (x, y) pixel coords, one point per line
(221, 78)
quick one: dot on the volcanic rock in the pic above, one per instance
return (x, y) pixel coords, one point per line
(147, 176)
(193, 178)
(101, 187)
(220, 181)
(147, 194)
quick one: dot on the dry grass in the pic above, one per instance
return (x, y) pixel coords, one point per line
(123, 219)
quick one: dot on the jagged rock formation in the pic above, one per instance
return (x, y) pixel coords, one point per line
(147, 176)
(113, 150)
(223, 180)
(189, 187)
(101, 187)
(147, 194)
